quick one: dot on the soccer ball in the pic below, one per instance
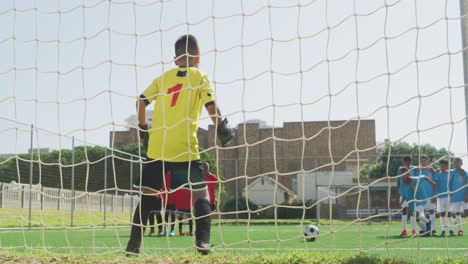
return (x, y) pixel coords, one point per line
(311, 232)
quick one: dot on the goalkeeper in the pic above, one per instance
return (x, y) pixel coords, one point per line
(179, 95)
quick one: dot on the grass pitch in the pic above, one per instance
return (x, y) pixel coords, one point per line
(241, 242)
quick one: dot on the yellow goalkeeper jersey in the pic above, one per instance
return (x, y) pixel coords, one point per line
(179, 95)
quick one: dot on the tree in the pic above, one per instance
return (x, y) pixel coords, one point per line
(392, 155)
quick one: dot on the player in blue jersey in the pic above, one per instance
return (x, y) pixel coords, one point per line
(407, 161)
(427, 192)
(458, 191)
(441, 179)
(410, 189)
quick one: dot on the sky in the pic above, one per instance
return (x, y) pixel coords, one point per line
(75, 68)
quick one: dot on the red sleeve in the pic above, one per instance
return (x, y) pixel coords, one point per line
(167, 181)
(211, 177)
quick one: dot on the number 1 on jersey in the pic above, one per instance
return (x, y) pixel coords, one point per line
(176, 91)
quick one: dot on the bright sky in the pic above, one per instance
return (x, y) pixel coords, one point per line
(298, 60)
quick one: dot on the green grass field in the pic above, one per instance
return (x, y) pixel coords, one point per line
(238, 240)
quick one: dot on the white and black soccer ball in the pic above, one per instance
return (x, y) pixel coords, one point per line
(311, 232)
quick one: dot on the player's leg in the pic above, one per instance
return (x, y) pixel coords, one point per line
(190, 175)
(170, 218)
(424, 223)
(404, 216)
(151, 223)
(458, 209)
(180, 219)
(412, 212)
(202, 209)
(150, 183)
(432, 216)
(157, 214)
(190, 224)
(450, 222)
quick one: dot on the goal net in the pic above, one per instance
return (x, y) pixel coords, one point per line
(326, 98)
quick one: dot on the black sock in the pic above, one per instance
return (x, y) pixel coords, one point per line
(202, 224)
(159, 219)
(151, 220)
(146, 205)
(190, 223)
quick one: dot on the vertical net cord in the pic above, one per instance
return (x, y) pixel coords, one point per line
(330, 154)
(213, 19)
(245, 142)
(36, 86)
(85, 104)
(301, 103)
(388, 83)
(275, 165)
(418, 87)
(356, 148)
(452, 123)
(67, 199)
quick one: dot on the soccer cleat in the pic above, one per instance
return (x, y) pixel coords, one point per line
(133, 248)
(152, 234)
(433, 233)
(181, 233)
(424, 233)
(172, 233)
(414, 233)
(460, 232)
(189, 234)
(442, 234)
(403, 233)
(452, 233)
(161, 234)
(204, 248)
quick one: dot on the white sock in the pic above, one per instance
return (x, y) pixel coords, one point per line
(442, 223)
(423, 218)
(422, 225)
(413, 222)
(450, 223)
(459, 222)
(433, 221)
(404, 221)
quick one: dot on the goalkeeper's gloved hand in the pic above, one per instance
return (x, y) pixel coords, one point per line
(225, 134)
(144, 136)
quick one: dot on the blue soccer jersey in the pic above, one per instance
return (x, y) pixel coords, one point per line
(409, 194)
(442, 184)
(427, 189)
(458, 186)
(402, 189)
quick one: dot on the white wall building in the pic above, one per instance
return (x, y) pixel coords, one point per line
(261, 191)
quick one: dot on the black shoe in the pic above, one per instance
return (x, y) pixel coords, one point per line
(133, 248)
(442, 234)
(434, 233)
(452, 233)
(204, 248)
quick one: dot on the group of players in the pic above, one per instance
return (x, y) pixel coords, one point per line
(425, 189)
(177, 204)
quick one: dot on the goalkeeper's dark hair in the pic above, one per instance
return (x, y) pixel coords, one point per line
(187, 44)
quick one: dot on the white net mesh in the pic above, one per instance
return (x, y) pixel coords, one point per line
(316, 91)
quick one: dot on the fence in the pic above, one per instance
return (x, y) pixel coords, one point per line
(15, 195)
